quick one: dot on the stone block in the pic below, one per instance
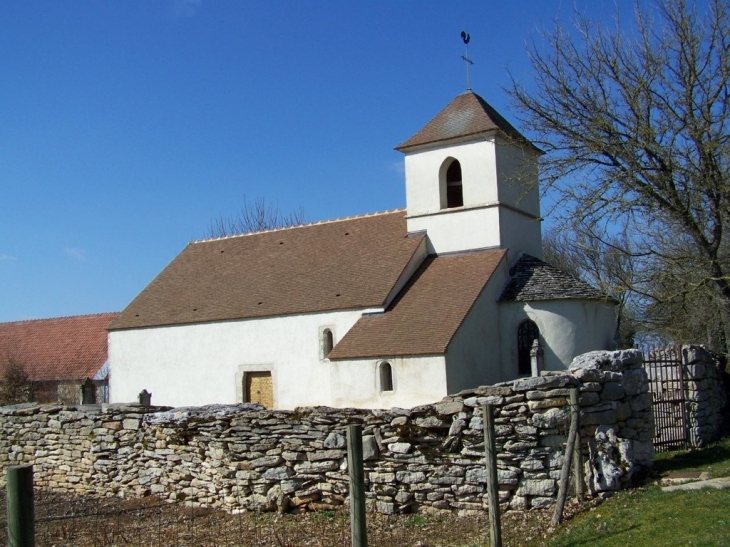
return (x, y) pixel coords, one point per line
(370, 450)
(539, 502)
(546, 403)
(544, 382)
(385, 508)
(544, 487)
(335, 440)
(381, 478)
(615, 361)
(695, 354)
(400, 448)
(457, 426)
(316, 467)
(612, 391)
(476, 476)
(605, 417)
(623, 412)
(449, 407)
(130, 424)
(431, 422)
(635, 382)
(409, 477)
(265, 461)
(319, 455)
(278, 473)
(553, 440)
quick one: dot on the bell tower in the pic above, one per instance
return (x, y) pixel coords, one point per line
(471, 182)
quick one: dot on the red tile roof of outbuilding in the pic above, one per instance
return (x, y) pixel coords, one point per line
(61, 348)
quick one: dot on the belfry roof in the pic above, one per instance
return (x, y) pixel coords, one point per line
(467, 115)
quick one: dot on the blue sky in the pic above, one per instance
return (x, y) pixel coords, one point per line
(127, 126)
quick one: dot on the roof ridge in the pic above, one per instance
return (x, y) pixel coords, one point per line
(306, 225)
(61, 317)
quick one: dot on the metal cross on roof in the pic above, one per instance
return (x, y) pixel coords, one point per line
(466, 38)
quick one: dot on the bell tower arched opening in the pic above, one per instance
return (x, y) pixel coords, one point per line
(451, 187)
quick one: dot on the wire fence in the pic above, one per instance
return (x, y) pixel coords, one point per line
(78, 521)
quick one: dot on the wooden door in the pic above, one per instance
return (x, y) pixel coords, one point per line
(259, 389)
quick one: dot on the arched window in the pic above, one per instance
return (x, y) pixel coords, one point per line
(328, 342)
(386, 376)
(454, 195)
(527, 333)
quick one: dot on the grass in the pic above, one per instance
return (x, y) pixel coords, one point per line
(648, 516)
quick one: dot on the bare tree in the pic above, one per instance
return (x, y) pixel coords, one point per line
(255, 217)
(635, 128)
(603, 265)
(16, 385)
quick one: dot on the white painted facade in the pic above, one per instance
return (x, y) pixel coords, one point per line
(189, 365)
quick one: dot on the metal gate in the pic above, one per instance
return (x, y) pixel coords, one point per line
(666, 384)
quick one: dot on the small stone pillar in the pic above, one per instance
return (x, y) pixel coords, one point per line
(88, 392)
(537, 358)
(145, 398)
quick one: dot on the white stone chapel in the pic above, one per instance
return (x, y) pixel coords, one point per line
(389, 309)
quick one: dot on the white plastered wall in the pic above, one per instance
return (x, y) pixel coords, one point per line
(517, 172)
(206, 363)
(459, 229)
(567, 328)
(472, 355)
(416, 381)
(519, 233)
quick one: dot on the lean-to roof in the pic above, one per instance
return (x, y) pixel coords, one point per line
(533, 279)
(343, 264)
(424, 317)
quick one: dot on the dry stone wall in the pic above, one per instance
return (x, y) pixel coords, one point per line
(425, 458)
(705, 394)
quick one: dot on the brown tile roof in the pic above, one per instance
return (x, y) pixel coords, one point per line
(427, 312)
(342, 264)
(533, 279)
(468, 114)
(62, 348)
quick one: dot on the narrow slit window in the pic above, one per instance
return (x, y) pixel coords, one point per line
(386, 377)
(527, 333)
(328, 342)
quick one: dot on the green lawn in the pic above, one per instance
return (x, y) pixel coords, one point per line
(648, 516)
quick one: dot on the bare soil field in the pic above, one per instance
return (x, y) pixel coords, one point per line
(109, 522)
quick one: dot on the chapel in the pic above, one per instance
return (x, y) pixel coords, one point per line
(390, 309)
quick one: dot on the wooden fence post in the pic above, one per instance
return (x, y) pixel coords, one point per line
(358, 524)
(21, 511)
(578, 475)
(567, 460)
(490, 452)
